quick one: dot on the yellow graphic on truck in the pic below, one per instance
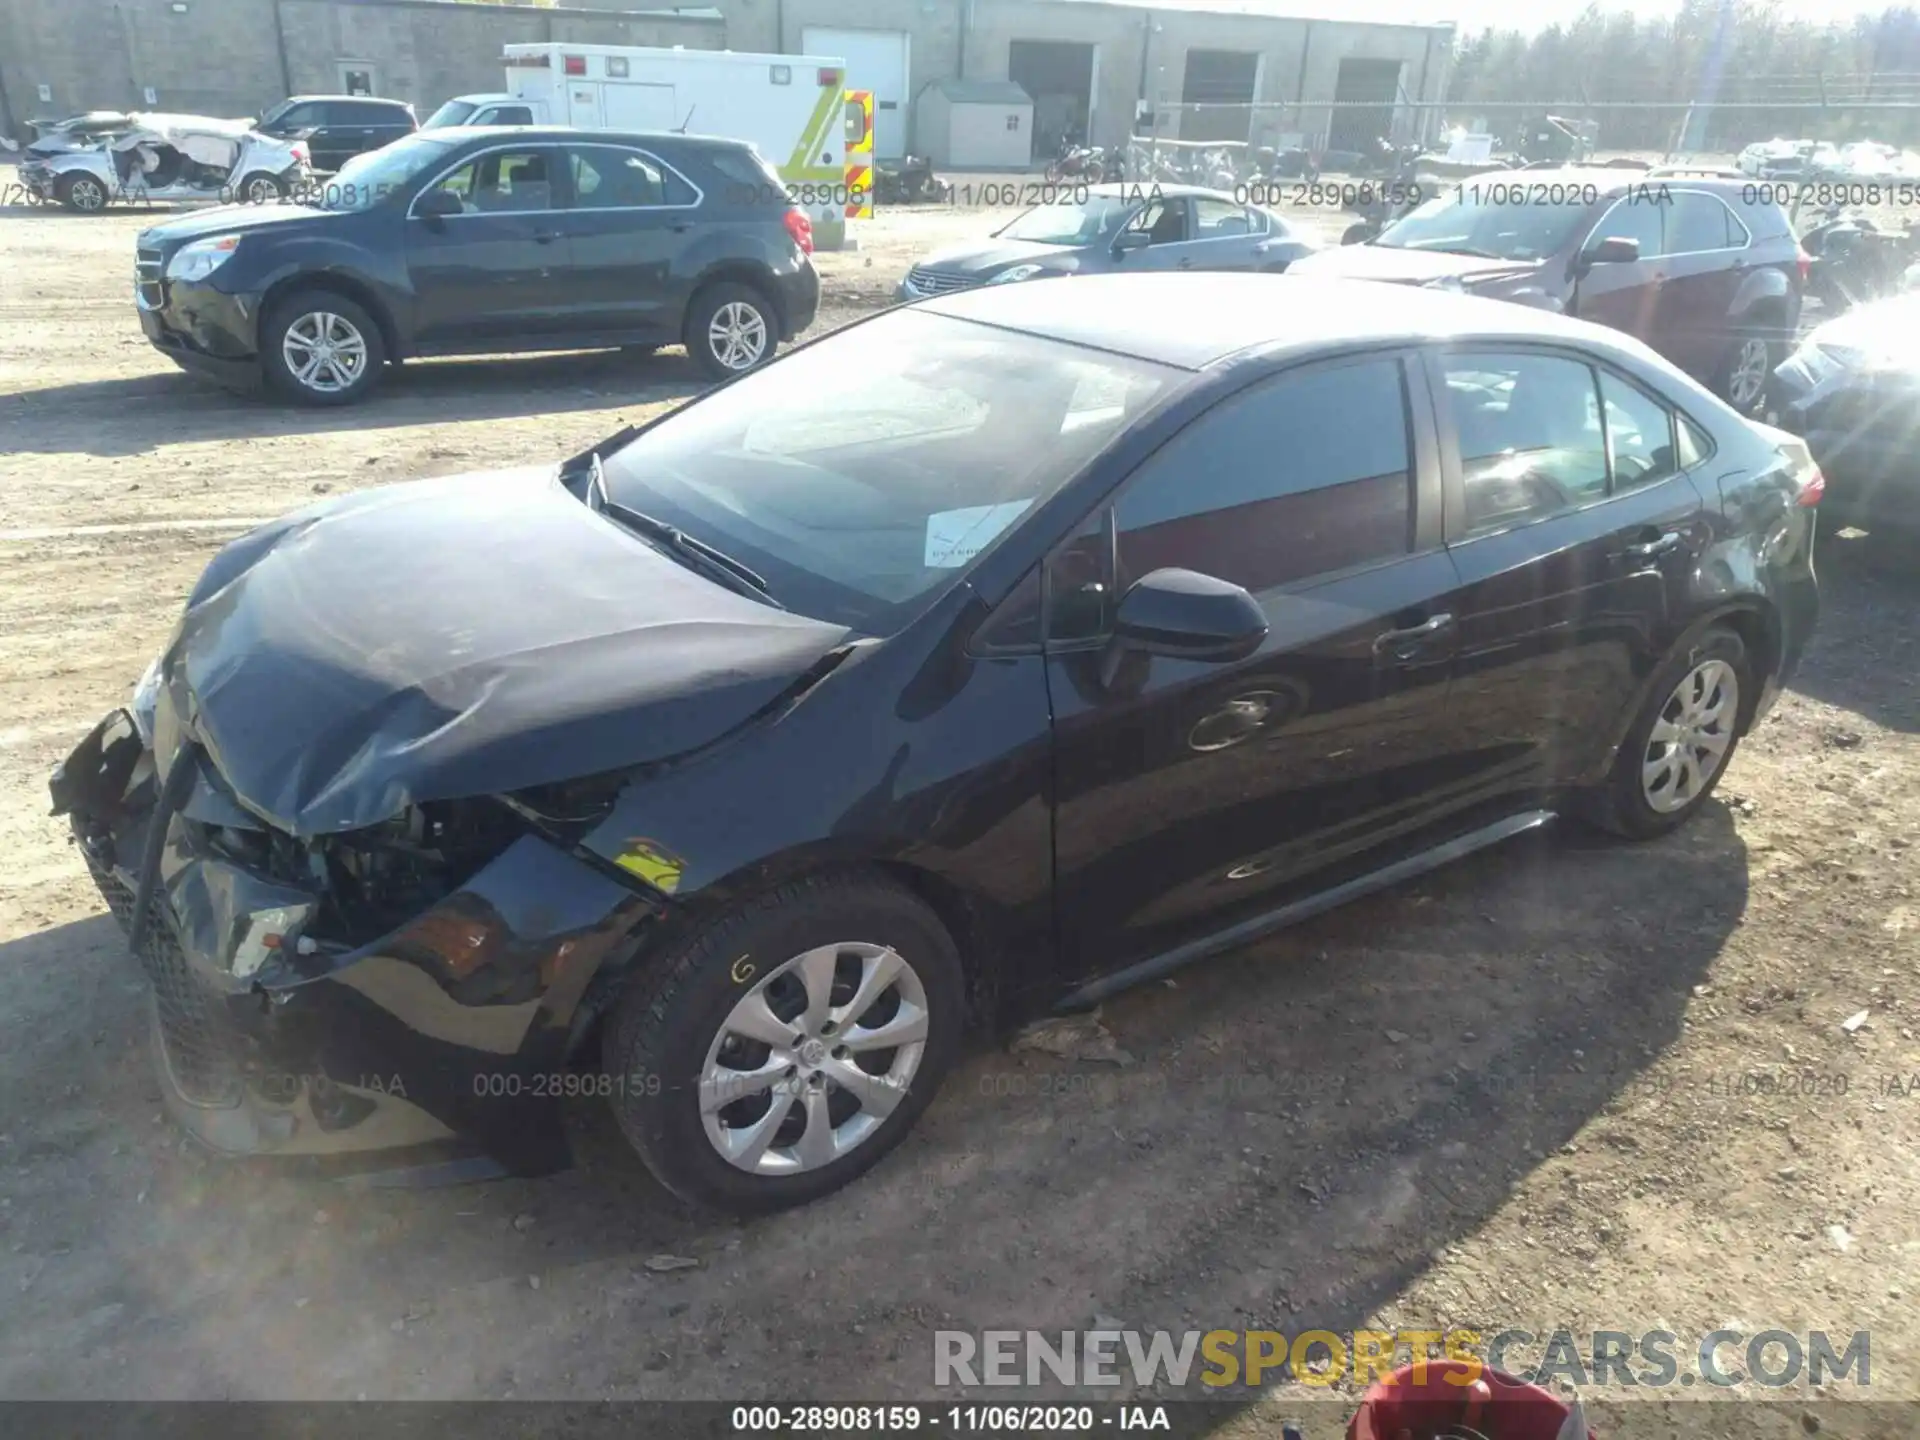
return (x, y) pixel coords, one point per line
(859, 113)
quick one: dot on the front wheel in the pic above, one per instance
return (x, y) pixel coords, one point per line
(320, 348)
(1056, 172)
(84, 194)
(730, 329)
(786, 1050)
(1681, 742)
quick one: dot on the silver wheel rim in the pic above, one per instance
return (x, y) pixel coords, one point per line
(88, 195)
(1691, 737)
(261, 190)
(737, 335)
(324, 352)
(1749, 377)
(812, 1060)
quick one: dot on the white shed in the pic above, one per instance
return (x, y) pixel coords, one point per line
(975, 125)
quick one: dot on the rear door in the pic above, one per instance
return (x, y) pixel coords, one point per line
(1627, 296)
(631, 214)
(1188, 794)
(1575, 528)
(1225, 237)
(1707, 258)
(497, 269)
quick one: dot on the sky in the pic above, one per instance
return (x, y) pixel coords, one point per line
(1472, 15)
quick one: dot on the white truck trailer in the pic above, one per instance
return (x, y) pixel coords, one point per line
(793, 108)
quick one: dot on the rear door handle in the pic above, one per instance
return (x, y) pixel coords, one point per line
(545, 237)
(1184, 263)
(1414, 641)
(1653, 549)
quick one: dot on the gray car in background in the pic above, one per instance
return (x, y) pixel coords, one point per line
(1125, 226)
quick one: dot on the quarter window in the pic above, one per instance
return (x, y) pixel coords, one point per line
(1216, 219)
(1531, 443)
(1263, 491)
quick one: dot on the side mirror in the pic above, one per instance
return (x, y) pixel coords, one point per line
(1131, 240)
(1614, 250)
(436, 205)
(1186, 616)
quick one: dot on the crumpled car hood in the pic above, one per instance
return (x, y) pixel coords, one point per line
(456, 637)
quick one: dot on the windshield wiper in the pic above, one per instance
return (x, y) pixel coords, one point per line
(709, 560)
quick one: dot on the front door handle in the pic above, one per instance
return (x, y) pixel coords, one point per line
(545, 237)
(1184, 263)
(1647, 550)
(1412, 642)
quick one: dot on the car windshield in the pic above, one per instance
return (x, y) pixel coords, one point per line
(1070, 223)
(860, 511)
(1503, 223)
(454, 112)
(366, 180)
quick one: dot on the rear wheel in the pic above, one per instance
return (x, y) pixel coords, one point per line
(730, 329)
(1681, 742)
(86, 194)
(787, 1049)
(320, 348)
(1746, 369)
(261, 189)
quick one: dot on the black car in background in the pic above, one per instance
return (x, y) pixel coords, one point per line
(986, 656)
(339, 127)
(489, 241)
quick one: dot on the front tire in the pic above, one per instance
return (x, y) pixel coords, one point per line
(320, 348)
(84, 194)
(1681, 742)
(784, 1051)
(731, 328)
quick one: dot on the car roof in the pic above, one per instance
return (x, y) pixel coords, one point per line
(1143, 189)
(368, 99)
(551, 134)
(1193, 320)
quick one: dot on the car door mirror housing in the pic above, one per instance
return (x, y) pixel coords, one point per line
(1131, 240)
(436, 205)
(1614, 250)
(1188, 616)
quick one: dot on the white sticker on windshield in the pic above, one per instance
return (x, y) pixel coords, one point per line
(955, 536)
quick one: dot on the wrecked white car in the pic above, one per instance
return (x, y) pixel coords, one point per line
(169, 158)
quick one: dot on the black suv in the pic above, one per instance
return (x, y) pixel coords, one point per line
(485, 242)
(1701, 264)
(339, 127)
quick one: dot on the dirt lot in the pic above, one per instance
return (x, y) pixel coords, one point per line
(1516, 1093)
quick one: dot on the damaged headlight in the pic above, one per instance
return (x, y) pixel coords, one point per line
(202, 257)
(146, 695)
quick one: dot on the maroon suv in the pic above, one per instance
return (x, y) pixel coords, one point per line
(1701, 265)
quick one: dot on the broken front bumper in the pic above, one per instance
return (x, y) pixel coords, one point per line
(452, 1033)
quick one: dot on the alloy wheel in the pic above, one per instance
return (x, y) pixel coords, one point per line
(324, 352)
(737, 335)
(812, 1060)
(1747, 379)
(262, 191)
(88, 194)
(1691, 737)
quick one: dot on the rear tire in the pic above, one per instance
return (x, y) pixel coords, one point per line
(1700, 698)
(731, 328)
(1746, 369)
(676, 1042)
(320, 348)
(261, 189)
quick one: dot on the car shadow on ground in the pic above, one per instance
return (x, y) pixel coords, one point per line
(1865, 656)
(1307, 1124)
(141, 413)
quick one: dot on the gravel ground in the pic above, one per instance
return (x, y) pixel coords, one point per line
(1516, 1092)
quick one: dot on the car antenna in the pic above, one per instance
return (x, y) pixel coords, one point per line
(681, 129)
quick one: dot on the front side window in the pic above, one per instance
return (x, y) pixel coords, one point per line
(1163, 220)
(370, 179)
(502, 182)
(860, 514)
(1531, 443)
(513, 115)
(605, 178)
(1268, 488)
(1635, 217)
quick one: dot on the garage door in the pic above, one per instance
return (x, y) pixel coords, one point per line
(876, 61)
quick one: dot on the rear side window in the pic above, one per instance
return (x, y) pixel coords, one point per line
(1700, 222)
(750, 176)
(1640, 445)
(606, 178)
(1263, 492)
(377, 112)
(1531, 443)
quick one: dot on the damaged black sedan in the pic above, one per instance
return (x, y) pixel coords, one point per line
(984, 657)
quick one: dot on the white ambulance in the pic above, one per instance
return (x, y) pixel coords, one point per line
(792, 108)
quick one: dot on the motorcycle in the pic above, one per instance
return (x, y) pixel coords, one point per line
(910, 182)
(1854, 260)
(1077, 162)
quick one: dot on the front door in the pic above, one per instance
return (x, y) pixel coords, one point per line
(495, 269)
(1626, 296)
(631, 215)
(1167, 223)
(1187, 793)
(1575, 527)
